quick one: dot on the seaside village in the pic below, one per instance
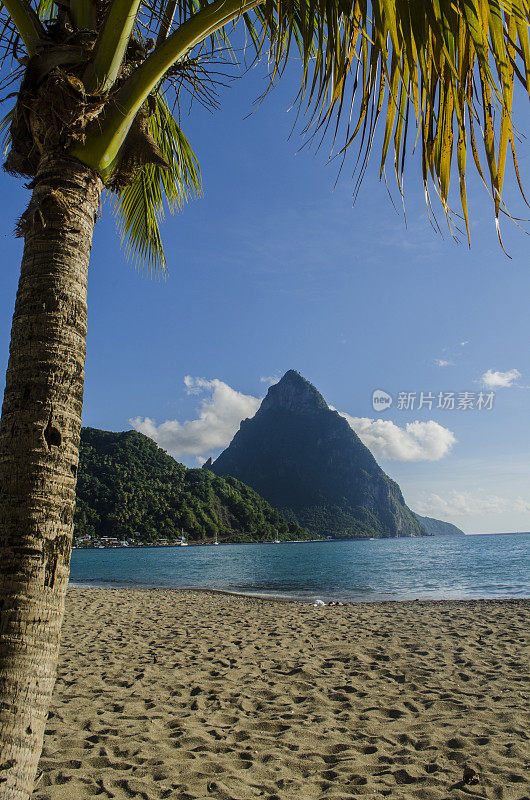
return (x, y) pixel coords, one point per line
(103, 541)
(84, 542)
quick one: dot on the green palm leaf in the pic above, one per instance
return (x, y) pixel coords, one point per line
(445, 67)
(46, 9)
(140, 206)
(5, 131)
(438, 72)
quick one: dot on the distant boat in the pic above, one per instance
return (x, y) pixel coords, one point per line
(276, 541)
(216, 542)
(183, 542)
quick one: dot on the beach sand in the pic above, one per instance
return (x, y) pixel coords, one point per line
(185, 695)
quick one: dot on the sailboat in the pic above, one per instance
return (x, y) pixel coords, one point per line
(183, 542)
(216, 541)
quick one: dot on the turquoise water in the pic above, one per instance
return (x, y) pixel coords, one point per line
(436, 568)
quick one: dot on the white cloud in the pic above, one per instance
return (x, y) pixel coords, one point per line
(463, 344)
(499, 380)
(442, 362)
(219, 415)
(469, 504)
(222, 408)
(195, 385)
(417, 441)
(270, 379)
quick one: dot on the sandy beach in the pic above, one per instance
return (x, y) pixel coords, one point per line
(184, 695)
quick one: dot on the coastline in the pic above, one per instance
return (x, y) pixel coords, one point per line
(278, 597)
(202, 694)
(211, 543)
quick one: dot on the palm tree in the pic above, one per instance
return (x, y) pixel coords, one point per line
(94, 110)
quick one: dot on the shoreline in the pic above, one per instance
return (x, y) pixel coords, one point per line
(210, 543)
(282, 598)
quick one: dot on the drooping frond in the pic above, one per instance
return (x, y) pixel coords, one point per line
(5, 131)
(46, 9)
(140, 206)
(445, 71)
(441, 71)
(10, 43)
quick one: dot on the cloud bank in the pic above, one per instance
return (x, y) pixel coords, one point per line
(270, 379)
(417, 441)
(222, 408)
(500, 380)
(220, 413)
(469, 503)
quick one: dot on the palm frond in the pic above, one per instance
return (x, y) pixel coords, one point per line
(437, 72)
(449, 66)
(140, 206)
(159, 18)
(10, 41)
(5, 131)
(440, 73)
(46, 10)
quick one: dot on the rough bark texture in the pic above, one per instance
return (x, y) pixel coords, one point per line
(39, 441)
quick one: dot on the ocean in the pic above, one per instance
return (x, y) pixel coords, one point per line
(433, 568)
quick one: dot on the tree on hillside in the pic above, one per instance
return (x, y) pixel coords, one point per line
(97, 81)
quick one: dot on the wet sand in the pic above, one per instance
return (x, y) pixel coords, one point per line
(183, 695)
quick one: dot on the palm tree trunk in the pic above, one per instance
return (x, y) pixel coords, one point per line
(39, 447)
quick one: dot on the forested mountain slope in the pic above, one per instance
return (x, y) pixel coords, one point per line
(131, 489)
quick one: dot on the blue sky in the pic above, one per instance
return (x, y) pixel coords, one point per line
(274, 269)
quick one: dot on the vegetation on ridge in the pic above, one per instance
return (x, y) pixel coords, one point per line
(131, 489)
(436, 527)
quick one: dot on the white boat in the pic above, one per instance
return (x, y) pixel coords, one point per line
(276, 541)
(183, 542)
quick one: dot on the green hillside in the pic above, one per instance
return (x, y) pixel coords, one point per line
(438, 528)
(131, 489)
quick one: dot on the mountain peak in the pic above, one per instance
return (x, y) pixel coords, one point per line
(293, 393)
(305, 458)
